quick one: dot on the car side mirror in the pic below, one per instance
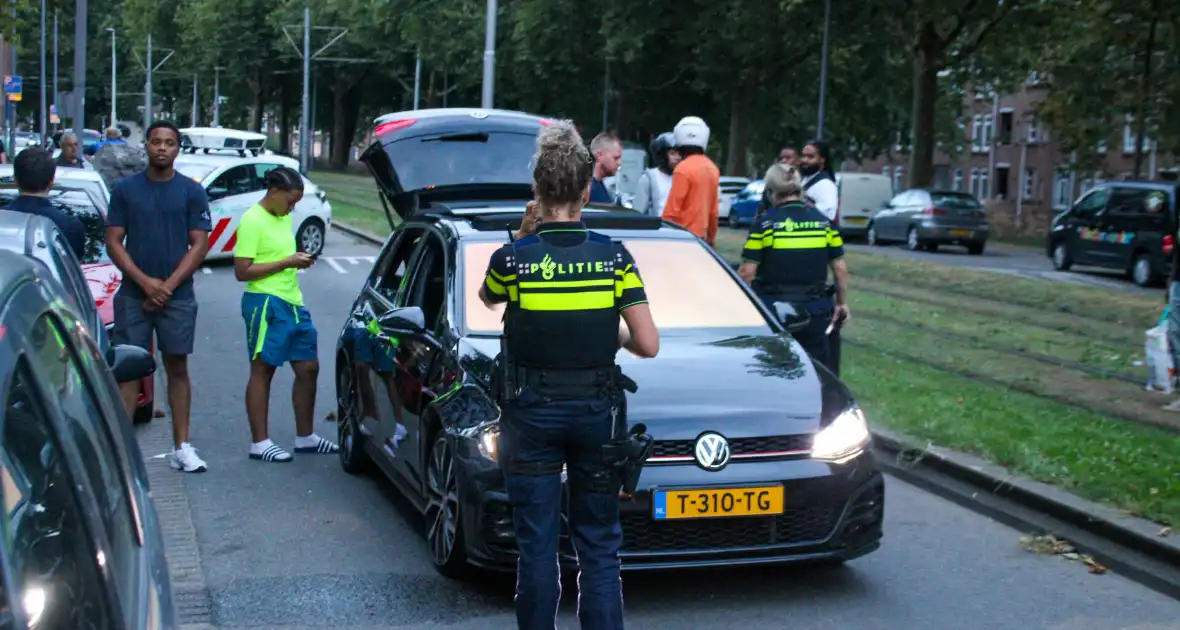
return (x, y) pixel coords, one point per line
(408, 320)
(130, 363)
(794, 319)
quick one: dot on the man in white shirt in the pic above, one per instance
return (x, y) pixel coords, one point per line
(819, 183)
(655, 183)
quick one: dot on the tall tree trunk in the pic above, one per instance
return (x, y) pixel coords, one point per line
(346, 109)
(285, 106)
(1145, 92)
(925, 100)
(739, 124)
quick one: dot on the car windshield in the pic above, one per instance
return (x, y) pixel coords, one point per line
(955, 200)
(686, 287)
(76, 204)
(196, 171)
(472, 158)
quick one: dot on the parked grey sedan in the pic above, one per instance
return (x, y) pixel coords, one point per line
(82, 543)
(924, 219)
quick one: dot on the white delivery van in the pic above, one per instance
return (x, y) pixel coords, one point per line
(861, 196)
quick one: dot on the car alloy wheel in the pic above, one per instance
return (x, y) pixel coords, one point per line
(443, 533)
(1061, 260)
(872, 236)
(911, 240)
(353, 458)
(1141, 273)
(311, 237)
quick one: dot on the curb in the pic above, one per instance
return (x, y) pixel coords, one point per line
(356, 232)
(1129, 545)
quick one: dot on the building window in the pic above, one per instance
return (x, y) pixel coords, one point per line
(1062, 195)
(979, 181)
(1028, 187)
(958, 180)
(981, 133)
(1101, 148)
(1033, 133)
(1006, 126)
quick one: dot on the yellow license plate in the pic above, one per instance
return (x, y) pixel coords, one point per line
(965, 233)
(673, 504)
(854, 220)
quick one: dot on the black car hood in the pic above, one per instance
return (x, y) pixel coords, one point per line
(741, 387)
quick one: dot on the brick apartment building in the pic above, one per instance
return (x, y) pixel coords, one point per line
(1011, 163)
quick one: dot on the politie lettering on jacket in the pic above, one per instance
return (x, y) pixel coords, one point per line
(790, 225)
(550, 269)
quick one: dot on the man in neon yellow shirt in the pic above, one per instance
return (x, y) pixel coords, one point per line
(278, 326)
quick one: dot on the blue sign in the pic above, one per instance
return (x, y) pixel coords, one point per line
(12, 85)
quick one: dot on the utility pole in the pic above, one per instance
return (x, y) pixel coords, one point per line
(79, 68)
(217, 95)
(44, 108)
(56, 93)
(147, 90)
(305, 132)
(9, 105)
(823, 70)
(605, 93)
(489, 58)
(196, 104)
(417, 78)
(114, 88)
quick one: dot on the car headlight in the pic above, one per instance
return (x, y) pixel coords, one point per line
(489, 442)
(844, 439)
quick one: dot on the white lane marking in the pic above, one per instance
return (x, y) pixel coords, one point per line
(335, 265)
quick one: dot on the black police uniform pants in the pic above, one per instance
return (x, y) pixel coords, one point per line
(537, 436)
(814, 338)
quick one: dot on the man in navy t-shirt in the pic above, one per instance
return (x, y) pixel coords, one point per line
(164, 218)
(34, 170)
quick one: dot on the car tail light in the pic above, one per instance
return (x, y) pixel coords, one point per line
(546, 122)
(394, 125)
(938, 212)
(1169, 244)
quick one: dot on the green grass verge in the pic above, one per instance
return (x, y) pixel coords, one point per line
(1129, 466)
(365, 219)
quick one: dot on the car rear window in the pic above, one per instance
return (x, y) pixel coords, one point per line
(76, 204)
(954, 200)
(467, 158)
(686, 287)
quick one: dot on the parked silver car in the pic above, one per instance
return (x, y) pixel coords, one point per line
(83, 547)
(924, 219)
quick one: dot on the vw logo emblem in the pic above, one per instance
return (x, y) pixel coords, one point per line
(712, 451)
(479, 115)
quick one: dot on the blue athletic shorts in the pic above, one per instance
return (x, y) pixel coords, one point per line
(277, 331)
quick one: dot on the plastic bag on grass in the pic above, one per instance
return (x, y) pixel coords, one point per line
(1161, 369)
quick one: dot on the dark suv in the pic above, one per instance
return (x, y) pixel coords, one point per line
(1129, 226)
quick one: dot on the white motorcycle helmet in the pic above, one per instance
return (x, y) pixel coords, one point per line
(691, 131)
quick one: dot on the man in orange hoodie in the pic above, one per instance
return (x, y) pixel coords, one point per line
(692, 202)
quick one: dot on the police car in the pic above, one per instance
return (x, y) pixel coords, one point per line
(231, 164)
(761, 455)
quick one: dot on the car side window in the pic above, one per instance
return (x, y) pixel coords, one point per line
(390, 272)
(1092, 203)
(239, 180)
(428, 289)
(86, 427)
(261, 169)
(51, 551)
(71, 272)
(1129, 202)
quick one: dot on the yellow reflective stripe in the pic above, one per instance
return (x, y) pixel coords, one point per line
(799, 233)
(260, 333)
(630, 281)
(493, 286)
(834, 239)
(567, 284)
(754, 244)
(503, 279)
(513, 293)
(624, 271)
(582, 301)
(814, 242)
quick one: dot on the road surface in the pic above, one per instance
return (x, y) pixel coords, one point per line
(304, 545)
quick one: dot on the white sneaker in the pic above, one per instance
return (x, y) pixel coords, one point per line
(185, 459)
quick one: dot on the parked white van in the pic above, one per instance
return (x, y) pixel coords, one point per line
(861, 196)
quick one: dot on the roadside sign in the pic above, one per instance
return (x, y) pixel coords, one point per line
(12, 87)
(53, 117)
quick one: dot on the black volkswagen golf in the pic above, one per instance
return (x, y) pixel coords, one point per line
(761, 456)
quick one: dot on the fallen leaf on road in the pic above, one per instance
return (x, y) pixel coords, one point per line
(331, 417)
(1047, 545)
(159, 413)
(1094, 567)
(1165, 532)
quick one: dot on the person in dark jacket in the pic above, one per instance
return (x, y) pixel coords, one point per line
(33, 170)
